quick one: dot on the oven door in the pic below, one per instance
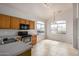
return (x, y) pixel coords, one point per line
(26, 39)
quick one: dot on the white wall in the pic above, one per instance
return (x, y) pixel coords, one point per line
(78, 26)
(68, 37)
(75, 26)
(77, 15)
(5, 9)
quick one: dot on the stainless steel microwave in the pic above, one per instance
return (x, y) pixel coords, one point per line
(24, 27)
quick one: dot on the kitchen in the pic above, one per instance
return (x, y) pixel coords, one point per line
(38, 29)
(14, 35)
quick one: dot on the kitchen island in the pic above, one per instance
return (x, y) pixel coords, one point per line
(14, 49)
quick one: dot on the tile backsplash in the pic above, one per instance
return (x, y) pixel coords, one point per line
(11, 32)
(7, 32)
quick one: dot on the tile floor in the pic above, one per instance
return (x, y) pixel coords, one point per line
(53, 48)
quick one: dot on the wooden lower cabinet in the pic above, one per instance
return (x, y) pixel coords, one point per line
(34, 39)
(26, 53)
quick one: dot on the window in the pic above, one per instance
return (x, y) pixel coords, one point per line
(40, 27)
(58, 27)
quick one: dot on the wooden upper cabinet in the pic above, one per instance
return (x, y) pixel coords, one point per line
(4, 21)
(32, 25)
(15, 23)
(22, 21)
(27, 22)
(10, 22)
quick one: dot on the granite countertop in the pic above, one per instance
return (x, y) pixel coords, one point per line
(14, 48)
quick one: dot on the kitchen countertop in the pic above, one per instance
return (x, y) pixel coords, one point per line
(14, 48)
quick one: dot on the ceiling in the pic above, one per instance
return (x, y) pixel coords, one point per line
(41, 10)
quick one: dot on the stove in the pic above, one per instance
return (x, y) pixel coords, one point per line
(25, 37)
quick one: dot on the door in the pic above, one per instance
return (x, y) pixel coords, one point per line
(22, 21)
(4, 21)
(15, 23)
(32, 25)
(27, 22)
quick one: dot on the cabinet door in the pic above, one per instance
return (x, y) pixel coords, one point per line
(22, 21)
(4, 21)
(32, 25)
(27, 22)
(34, 39)
(15, 23)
